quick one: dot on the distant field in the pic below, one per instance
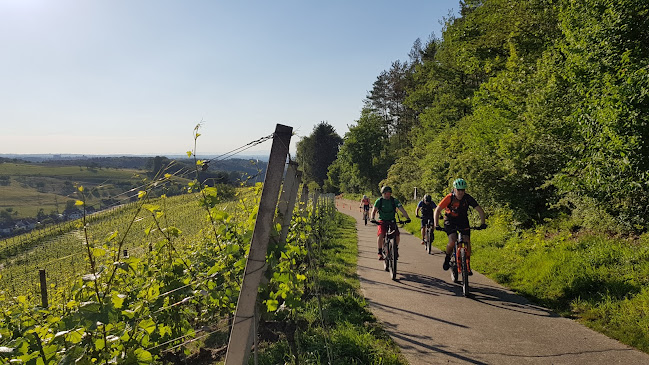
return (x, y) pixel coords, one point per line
(28, 187)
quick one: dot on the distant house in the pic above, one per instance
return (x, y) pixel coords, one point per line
(6, 229)
(72, 214)
(26, 224)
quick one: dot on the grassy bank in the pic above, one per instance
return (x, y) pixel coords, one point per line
(601, 281)
(350, 332)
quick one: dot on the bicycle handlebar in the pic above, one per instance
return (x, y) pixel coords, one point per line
(397, 221)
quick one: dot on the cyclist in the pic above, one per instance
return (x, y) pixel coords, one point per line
(426, 208)
(456, 218)
(365, 204)
(387, 206)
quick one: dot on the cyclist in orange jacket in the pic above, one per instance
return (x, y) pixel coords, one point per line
(365, 204)
(456, 218)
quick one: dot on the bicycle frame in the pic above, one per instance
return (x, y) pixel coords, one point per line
(390, 249)
(460, 262)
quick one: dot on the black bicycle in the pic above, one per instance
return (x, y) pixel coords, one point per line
(460, 263)
(429, 235)
(390, 249)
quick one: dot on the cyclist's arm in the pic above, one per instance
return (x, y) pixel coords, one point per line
(481, 213)
(374, 210)
(403, 211)
(417, 211)
(436, 215)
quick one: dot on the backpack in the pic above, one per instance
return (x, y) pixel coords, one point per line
(394, 205)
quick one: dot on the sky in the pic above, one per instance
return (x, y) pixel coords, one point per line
(135, 77)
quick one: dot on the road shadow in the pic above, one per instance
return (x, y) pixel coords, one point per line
(425, 345)
(401, 311)
(503, 299)
(432, 286)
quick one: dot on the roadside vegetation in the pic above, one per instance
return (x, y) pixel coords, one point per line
(348, 333)
(599, 280)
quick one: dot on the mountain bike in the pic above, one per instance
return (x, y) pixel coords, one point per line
(366, 214)
(429, 235)
(460, 263)
(390, 248)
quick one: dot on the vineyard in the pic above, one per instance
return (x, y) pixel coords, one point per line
(178, 282)
(156, 280)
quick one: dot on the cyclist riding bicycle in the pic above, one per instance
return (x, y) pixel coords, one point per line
(426, 208)
(456, 218)
(387, 206)
(365, 204)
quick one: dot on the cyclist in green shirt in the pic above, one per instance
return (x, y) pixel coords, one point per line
(386, 206)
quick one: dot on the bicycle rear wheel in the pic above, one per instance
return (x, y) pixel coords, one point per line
(465, 273)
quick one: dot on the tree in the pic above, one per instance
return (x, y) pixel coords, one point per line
(316, 152)
(364, 158)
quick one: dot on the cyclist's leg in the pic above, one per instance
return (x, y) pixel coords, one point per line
(381, 237)
(451, 231)
(423, 230)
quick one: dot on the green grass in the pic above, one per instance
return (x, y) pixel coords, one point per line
(351, 332)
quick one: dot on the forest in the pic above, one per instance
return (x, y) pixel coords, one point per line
(541, 105)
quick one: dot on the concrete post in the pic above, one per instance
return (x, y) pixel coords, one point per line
(239, 345)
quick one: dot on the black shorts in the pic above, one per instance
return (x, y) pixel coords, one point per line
(426, 220)
(451, 227)
(366, 207)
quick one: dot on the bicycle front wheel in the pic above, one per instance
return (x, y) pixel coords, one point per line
(393, 260)
(465, 273)
(429, 241)
(386, 255)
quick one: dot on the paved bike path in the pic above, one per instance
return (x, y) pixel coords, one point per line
(433, 323)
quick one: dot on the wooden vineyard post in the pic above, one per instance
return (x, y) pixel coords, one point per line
(44, 302)
(243, 323)
(287, 199)
(304, 201)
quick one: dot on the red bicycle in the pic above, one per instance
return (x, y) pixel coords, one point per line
(460, 262)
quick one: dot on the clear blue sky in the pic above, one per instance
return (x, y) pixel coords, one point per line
(136, 76)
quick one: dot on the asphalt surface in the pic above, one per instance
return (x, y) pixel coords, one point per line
(433, 323)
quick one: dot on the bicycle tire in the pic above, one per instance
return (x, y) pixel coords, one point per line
(393, 259)
(386, 255)
(465, 273)
(454, 273)
(429, 243)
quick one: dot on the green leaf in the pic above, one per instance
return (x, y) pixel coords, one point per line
(118, 299)
(143, 356)
(100, 344)
(148, 325)
(98, 252)
(272, 305)
(75, 336)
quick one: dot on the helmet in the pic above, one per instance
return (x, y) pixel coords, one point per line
(364, 196)
(427, 198)
(459, 184)
(386, 189)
